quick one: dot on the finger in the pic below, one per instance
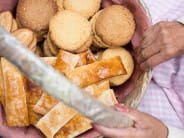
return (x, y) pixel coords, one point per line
(148, 52)
(151, 62)
(132, 113)
(141, 119)
(149, 37)
(148, 31)
(114, 132)
(121, 108)
(164, 55)
(151, 33)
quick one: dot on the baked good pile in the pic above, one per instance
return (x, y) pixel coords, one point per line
(79, 39)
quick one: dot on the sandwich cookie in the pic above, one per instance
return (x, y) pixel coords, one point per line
(114, 26)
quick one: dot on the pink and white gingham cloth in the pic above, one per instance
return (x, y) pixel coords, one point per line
(164, 98)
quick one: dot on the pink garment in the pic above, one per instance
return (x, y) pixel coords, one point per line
(164, 98)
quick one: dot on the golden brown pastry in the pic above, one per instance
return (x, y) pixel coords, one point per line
(66, 61)
(97, 71)
(76, 126)
(107, 97)
(86, 57)
(33, 94)
(45, 104)
(15, 96)
(56, 118)
(2, 96)
(101, 87)
(127, 61)
(49, 60)
(79, 124)
(70, 31)
(36, 14)
(90, 57)
(113, 26)
(82, 59)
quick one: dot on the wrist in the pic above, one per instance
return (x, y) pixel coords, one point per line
(165, 131)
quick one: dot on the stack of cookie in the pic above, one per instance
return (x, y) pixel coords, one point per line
(74, 26)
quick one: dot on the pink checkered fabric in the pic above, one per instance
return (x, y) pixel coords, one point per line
(164, 98)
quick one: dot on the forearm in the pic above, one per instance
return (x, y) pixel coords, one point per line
(175, 132)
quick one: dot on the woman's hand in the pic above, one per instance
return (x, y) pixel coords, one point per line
(145, 126)
(13, 132)
(161, 42)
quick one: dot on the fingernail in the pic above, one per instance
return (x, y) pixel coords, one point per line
(121, 108)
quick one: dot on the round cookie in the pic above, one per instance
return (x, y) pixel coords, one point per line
(70, 31)
(127, 61)
(87, 8)
(36, 14)
(114, 26)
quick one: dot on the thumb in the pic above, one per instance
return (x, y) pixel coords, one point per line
(130, 112)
